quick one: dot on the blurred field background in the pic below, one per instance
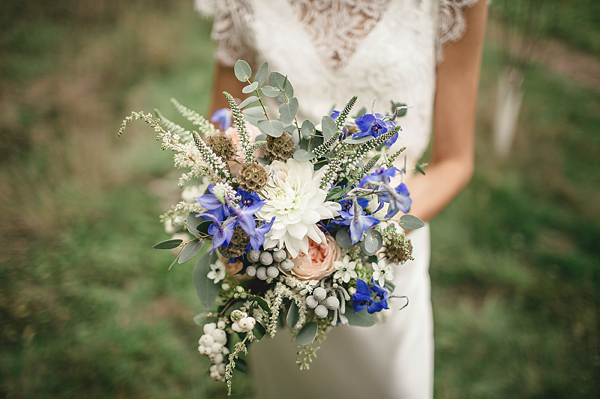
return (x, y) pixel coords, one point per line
(88, 309)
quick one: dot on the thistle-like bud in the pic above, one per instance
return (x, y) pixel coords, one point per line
(396, 247)
(222, 145)
(237, 246)
(252, 177)
(280, 148)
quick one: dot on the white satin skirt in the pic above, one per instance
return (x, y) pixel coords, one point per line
(393, 359)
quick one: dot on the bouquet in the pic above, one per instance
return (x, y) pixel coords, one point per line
(296, 224)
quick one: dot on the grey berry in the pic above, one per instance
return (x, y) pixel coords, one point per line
(261, 273)
(279, 255)
(266, 258)
(253, 255)
(332, 303)
(272, 271)
(287, 265)
(321, 312)
(319, 293)
(251, 271)
(311, 302)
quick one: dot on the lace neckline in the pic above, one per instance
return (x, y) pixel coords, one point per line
(335, 38)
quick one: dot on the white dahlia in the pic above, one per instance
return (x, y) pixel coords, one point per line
(293, 197)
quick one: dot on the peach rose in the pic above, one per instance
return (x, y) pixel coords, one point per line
(319, 261)
(253, 132)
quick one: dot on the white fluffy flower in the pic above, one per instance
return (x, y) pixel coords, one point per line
(294, 198)
(345, 269)
(217, 271)
(382, 270)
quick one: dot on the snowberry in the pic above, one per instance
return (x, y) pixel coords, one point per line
(209, 327)
(218, 358)
(243, 323)
(219, 336)
(216, 347)
(221, 324)
(207, 340)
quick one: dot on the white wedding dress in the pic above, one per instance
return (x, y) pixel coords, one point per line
(331, 51)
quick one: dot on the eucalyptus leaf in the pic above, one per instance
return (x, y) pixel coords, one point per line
(206, 289)
(190, 250)
(287, 111)
(292, 315)
(410, 222)
(277, 80)
(241, 365)
(361, 112)
(202, 318)
(247, 101)
(343, 239)
(273, 128)
(270, 91)
(242, 70)
(372, 242)
(361, 319)
(307, 334)
(192, 222)
(260, 137)
(255, 112)
(303, 155)
(174, 261)
(329, 127)
(307, 129)
(261, 74)
(250, 88)
(168, 244)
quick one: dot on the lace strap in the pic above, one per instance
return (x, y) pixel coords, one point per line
(230, 28)
(451, 23)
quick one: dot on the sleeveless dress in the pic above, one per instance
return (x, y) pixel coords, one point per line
(332, 50)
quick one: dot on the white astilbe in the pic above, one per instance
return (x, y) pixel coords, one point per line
(275, 299)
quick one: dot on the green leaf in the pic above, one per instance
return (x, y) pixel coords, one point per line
(361, 140)
(361, 319)
(303, 155)
(190, 250)
(390, 286)
(259, 331)
(371, 242)
(174, 261)
(361, 112)
(329, 127)
(273, 128)
(202, 318)
(277, 80)
(292, 315)
(247, 101)
(241, 365)
(343, 239)
(410, 222)
(261, 74)
(402, 111)
(250, 88)
(242, 71)
(192, 222)
(261, 302)
(307, 334)
(307, 129)
(287, 111)
(419, 169)
(206, 289)
(255, 112)
(270, 91)
(168, 244)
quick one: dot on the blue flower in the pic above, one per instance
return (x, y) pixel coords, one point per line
(213, 205)
(358, 221)
(223, 117)
(334, 114)
(221, 233)
(374, 125)
(381, 175)
(374, 298)
(399, 199)
(258, 238)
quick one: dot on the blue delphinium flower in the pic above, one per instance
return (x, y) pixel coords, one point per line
(334, 114)
(398, 198)
(258, 239)
(222, 117)
(373, 298)
(213, 205)
(379, 176)
(375, 125)
(221, 232)
(357, 220)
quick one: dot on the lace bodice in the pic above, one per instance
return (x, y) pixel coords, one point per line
(332, 50)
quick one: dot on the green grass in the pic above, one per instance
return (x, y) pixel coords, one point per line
(88, 309)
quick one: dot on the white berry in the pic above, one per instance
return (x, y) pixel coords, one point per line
(243, 323)
(253, 255)
(332, 303)
(219, 336)
(221, 324)
(279, 256)
(206, 340)
(261, 273)
(266, 258)
(251, 271)
(208, 328)
(218, 358)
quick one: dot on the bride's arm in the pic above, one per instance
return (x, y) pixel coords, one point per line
(451, 165)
